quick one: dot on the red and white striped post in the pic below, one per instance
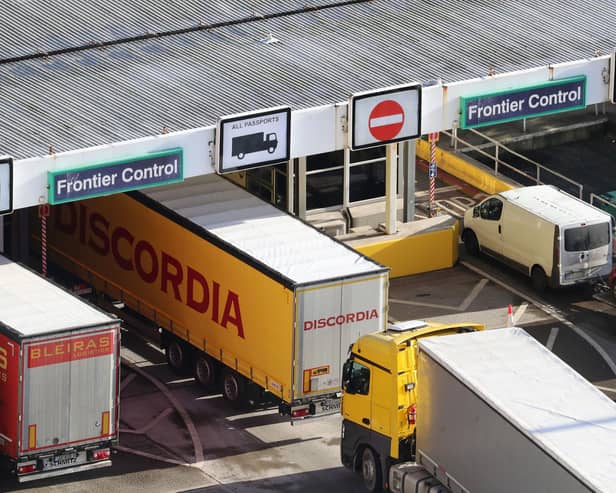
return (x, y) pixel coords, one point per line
(433, 137)
(43, 213)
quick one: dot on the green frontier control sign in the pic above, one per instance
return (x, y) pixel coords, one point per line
(157, 168)
(505, 106)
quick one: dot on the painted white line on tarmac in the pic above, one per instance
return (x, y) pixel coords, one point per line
(552, 338)
(472, 295)
(550, 310)
(519, 313)
(421, 303)
(190, 425)
(149, 456)
(166, 412)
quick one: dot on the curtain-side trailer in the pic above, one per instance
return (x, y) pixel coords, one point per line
(248, 296)
(59, 371)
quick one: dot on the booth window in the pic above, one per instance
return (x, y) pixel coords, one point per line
(324, 180)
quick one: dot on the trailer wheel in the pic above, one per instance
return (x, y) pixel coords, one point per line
(205, 370)
(538, 279)
(233, 388)
(240, 155)
(177, 356)
(371, 470)
(471, 243)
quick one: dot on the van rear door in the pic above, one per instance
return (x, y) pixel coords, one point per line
(586, 252)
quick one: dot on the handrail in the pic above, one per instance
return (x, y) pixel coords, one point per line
(603, 201)
(498, 161)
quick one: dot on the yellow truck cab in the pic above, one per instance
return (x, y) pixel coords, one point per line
(380, 391)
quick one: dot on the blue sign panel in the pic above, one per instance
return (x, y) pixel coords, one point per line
(121, 176)
(432, 170)
(551, 97)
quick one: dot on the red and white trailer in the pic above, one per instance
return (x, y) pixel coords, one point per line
(59, 378)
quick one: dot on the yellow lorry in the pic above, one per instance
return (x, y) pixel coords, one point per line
(431, 407)
(248, 296)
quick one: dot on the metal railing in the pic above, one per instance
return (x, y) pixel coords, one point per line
(537, 174)
(608, 206)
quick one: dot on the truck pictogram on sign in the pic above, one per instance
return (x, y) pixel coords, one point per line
(245, 144)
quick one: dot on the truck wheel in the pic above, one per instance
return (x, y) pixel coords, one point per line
(234, 388)
(240, 155)
(271, 150)
(471, 243)
(538, 279)
(177, 356)
(205, 370)
(371, 470)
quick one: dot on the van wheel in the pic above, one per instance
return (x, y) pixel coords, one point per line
(234, 388)
(538, 279)
(177, 356)
(371, 470)
(471, 243)
(205, 370)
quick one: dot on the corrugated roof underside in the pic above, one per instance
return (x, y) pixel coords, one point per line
(33, 306)
(277, 240)
(132, 90)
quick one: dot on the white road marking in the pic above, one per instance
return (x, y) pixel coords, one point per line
(166, 412)
(149, 456)
(550, 310)
(552, 338)
(181, 410)
(519, 312)
(472, 295)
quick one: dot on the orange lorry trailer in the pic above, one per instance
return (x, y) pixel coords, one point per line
(251, 298)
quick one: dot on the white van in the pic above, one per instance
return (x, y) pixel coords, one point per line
(553, 237)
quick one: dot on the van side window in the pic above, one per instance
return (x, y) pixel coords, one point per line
(491, 209)
(359, 379)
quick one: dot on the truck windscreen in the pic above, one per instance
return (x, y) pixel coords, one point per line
(587, 237)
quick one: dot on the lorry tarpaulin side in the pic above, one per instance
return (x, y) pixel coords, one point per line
(226, 272)
(501, 402)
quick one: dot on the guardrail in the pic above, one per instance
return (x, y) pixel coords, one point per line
(534, 172)
(608, 206)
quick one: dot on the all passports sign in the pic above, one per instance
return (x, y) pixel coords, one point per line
(154, 169)
(251, 140)
(515, 104)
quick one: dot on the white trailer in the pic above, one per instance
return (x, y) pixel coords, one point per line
(59, 373)
(500, 413)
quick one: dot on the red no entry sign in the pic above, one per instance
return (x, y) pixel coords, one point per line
(386, 120)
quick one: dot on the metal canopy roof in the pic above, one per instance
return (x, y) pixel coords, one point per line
(135, 85)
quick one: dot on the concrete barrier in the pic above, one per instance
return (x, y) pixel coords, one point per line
(477, 176)
(420, 246)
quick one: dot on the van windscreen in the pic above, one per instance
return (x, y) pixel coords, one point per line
(587, 237)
